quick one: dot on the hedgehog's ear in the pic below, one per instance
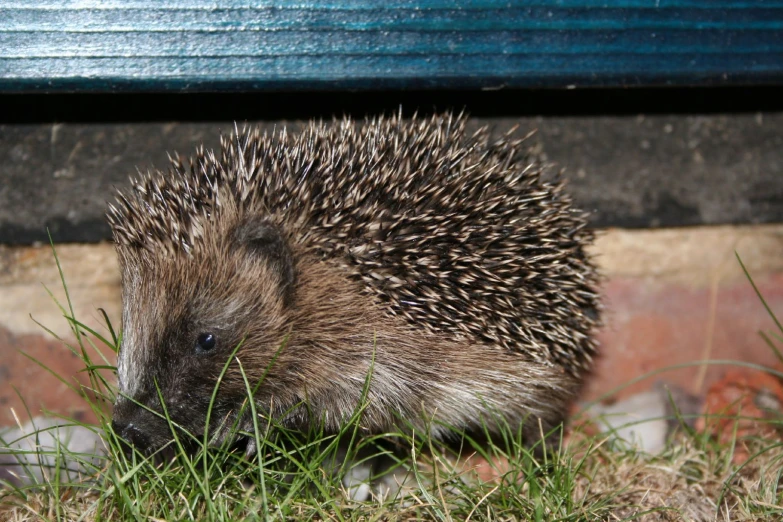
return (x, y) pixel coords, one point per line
(263, 240)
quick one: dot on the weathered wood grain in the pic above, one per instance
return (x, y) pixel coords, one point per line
(196, 45)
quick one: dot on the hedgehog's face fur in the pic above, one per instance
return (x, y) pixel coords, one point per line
(183, 318)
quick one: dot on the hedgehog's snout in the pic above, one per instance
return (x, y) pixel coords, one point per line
(135, 437)
(130, 435)
(136, 427)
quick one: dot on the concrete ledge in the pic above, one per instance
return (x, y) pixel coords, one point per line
(692, 257)
(628, 171)
(26, 273)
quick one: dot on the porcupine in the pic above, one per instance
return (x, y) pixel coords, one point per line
(446, 265)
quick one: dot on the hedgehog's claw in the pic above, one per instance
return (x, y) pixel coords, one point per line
(250, 448)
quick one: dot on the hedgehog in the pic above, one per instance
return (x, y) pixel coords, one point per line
(438, 275)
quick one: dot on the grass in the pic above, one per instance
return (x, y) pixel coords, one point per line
(297, 476)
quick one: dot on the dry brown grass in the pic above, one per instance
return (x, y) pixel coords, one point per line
(689, 484)
(692, 481)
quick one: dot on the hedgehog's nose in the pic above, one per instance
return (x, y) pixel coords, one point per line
(131, 435)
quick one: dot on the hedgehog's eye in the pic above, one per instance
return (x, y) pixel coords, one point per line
(205, 342)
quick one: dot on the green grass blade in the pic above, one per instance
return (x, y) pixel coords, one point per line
(65, 286)
(758, 293)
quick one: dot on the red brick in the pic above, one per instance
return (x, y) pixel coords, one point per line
(38, 389)
(653, 324)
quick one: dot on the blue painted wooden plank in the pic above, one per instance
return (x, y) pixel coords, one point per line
(378, 43)
(379, 4)
(307, 18)
(107, 20)
(364, 71)
(310, 44)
